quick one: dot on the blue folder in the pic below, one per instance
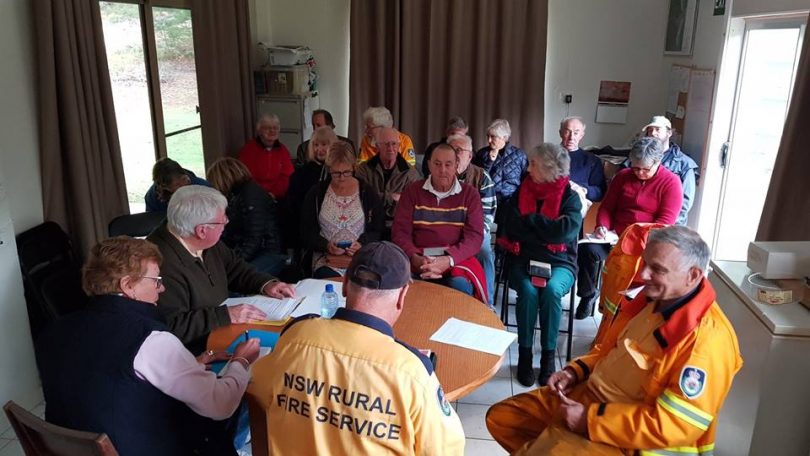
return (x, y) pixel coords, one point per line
(266, 339)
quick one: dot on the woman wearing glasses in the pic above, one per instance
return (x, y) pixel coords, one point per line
(340, 215)
(115, 367)
(644, 193)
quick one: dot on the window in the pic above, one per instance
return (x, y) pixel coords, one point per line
(150, 54)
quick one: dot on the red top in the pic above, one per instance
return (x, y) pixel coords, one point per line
(271, 168)
(631, 200)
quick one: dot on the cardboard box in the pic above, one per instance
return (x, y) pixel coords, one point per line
(780, 260)
(289, 80)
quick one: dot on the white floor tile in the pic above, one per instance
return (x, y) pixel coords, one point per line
(4, 442)
(8, 434)
(473, 420)
(12, 449)
(495, 390)
(477, 447)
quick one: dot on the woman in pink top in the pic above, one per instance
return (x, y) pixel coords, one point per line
(646, 192)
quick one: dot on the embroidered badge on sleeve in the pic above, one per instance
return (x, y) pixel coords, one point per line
(693, 381)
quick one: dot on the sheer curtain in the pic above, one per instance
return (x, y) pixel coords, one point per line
(427, 61)
(786, 215)
(80, 158)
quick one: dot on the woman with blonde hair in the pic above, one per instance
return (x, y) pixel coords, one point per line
(115, 367)
(340, 215)
(253, 230)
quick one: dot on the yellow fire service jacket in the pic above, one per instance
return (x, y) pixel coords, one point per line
(346, 386)
(660, 377)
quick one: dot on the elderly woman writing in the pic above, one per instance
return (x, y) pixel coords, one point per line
(341, 215)
(542, 223)
(253, 230)
(505, 162)
(115, 367)
(644, 193)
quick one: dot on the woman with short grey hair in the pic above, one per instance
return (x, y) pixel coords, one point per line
(541, 224)
(505, 162)
(644, 193)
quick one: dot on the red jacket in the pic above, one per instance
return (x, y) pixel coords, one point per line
(630, 200)
(271, 168)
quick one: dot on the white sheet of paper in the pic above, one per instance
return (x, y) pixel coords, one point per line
(275, 309)
(474, 336)
(631, 293)
(311, 290)
(610, 238)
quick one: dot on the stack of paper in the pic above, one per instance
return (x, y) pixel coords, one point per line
(275, 309)
(310, 290)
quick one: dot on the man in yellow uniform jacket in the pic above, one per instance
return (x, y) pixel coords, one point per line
(345, 385)
(656, 382)
(376, 118)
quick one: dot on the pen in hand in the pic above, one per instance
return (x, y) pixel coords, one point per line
(246, 336)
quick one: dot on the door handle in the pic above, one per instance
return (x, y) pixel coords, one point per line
(724, 154)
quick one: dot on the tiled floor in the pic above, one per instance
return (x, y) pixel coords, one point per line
(471, 409)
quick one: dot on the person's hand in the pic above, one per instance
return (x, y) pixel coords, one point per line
(333, 249)
(574, 415)
(211, 356)
(435, 267)
(279, 290)
(395, 197)
(245, 313)
(579, 189)
(248, 350)
(562, 381)
(417, 261)
(353, 248)
(600, 232)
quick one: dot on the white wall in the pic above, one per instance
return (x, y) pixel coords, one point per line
(323, 25)
(20, 198)
(755, 7)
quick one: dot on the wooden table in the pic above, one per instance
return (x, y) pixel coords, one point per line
(427, 307)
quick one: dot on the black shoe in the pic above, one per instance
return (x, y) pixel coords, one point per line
(547, 366)
(585, 307)
(525, 373)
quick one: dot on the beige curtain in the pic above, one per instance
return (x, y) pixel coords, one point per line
(430, 60)
(786, 215)
(222, 47)
(80, 159)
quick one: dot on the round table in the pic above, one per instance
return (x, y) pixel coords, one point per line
(427, 307)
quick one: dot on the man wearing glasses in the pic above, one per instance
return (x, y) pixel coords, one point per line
(480, 180)
(388, 173)
(199, 271)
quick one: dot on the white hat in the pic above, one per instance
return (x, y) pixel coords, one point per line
(660, 122)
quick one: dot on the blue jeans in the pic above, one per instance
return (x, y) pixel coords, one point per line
(271, 263)
(546, 301)
(487, 259)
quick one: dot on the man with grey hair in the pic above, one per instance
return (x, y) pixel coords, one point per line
(387, 173)
(391, 403)
(198, 270)
(377, 117)
(657, 381)
(480, 180)
(587, 171)
(455, 126)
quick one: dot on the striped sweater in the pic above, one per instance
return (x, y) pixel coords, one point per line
(478, 178)
(456, 222)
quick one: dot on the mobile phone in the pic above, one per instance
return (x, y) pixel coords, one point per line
(344, 244)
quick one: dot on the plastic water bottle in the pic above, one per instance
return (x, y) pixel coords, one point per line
(329, 302)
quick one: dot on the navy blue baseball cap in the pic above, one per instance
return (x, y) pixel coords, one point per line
(380, 266)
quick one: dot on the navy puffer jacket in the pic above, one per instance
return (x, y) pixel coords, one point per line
(506, 170)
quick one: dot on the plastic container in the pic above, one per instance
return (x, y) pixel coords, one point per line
(329, 301)
(288, 55)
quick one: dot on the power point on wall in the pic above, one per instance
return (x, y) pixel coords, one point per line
(567, 98)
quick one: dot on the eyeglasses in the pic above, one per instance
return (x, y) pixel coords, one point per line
(337, 174)
(390, 144)
(459, 149)
(217, 223)
(158, 280)
(638, 169)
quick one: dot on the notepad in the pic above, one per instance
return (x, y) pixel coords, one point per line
(277, 310)
(267, 341)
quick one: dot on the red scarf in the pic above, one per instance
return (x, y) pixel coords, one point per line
(530, 192)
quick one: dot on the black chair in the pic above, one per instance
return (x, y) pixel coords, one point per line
(51, 274)
(40, 438)
(135, 225)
